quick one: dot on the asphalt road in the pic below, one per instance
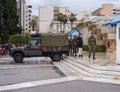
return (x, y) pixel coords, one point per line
(73, 86)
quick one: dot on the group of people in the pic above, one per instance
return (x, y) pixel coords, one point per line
(5, 48)
(76, 45)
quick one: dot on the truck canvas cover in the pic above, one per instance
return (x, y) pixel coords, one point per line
(54, 39)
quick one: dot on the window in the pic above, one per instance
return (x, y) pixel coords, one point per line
(29, 6)
(33, 43)
(29, 11)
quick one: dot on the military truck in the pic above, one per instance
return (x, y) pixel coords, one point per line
(51, 45)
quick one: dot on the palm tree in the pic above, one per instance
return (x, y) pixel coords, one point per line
(33, 24)
(72, 18)
(64, 20)
(60, 19)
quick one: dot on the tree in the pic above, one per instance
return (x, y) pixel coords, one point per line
(72, 18)
(60, 19)
(64, 20)
(33, 24)
(9, 19)
(27, 37)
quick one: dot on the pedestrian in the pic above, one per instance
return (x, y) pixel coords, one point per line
(79, 45)
(70, 45)
(74, 46)
(92, 45)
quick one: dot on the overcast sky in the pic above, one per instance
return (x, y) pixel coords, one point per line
(73, 5)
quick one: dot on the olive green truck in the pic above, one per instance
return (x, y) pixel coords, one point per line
(51, 45)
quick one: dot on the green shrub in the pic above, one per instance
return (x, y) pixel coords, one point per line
(99, 48)
(85, 48)
(16, 39)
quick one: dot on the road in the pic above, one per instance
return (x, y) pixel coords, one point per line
(44, 77)
(72, 86)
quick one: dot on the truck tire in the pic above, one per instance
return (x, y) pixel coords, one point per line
(18, 58)
(56, 57)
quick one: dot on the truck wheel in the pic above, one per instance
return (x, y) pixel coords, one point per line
(18, 58)
(56, 57)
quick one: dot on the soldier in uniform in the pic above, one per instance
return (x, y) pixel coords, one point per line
(92, 45)
(71, 45)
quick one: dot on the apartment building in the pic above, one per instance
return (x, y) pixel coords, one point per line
(116, 11)
(48, 18)
(106, 10)
(82, 15)
(25, 15)
(28, 18)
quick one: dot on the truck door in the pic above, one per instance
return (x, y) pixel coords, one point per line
(34, 48)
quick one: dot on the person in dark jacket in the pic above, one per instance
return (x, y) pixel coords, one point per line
(79, 45)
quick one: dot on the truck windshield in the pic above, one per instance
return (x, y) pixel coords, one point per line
(33, 42)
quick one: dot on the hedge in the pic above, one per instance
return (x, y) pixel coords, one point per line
(99, 48)
(16, 39)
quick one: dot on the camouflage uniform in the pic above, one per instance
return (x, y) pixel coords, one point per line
(72, 45)
(92, 45)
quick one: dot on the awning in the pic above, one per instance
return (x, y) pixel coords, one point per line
(114, 22)
(75, 33)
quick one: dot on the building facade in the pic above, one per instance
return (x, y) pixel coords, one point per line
(107, 10)
(28, 18)
(25, 15)
(48, 18)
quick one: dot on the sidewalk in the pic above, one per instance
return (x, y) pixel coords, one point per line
(101, 69)
(101, 62)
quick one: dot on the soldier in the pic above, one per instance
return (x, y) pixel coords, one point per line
(74, 46)
(70, 45)
(92, 45)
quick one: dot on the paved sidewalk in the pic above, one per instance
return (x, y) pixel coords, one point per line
(101, 64)
(101, 59)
